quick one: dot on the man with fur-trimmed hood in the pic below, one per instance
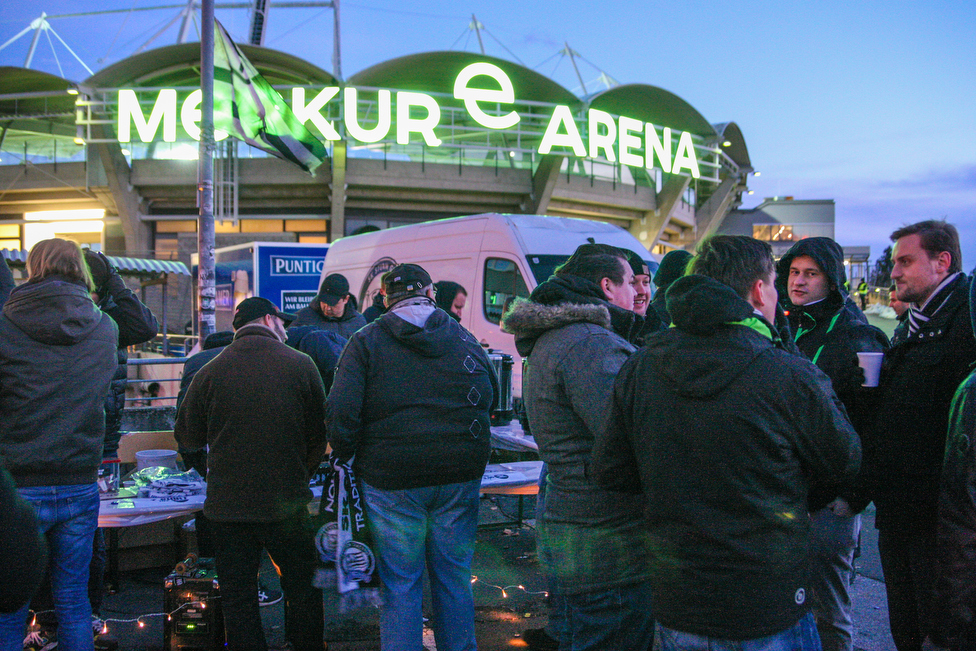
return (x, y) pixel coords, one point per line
(575, 330)
(830, 330)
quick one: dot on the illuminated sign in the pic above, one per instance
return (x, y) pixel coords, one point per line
(417, 115)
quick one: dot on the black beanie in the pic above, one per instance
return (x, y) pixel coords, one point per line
(672, 267)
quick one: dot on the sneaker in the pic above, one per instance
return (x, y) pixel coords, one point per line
(267, 596)
(40, 641)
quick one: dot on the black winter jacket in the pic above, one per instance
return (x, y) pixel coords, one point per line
(724, 432)
(57, 358)
(376, 309)
(905, 444)
(830, 333)
(322, 346)
(136, 325)
(955, 583)
(412, 403)
(345, 325)
(260, 406)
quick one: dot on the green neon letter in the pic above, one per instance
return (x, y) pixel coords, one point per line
(425, 126)
(629, 140)
(685, 157)
(562, 116)
(377, 133)
(605, 141)
(190, 116)
(654, 147)
(311, 111)
(164, 110)
(472, 96)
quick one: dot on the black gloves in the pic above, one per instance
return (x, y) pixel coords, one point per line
(102, 270)
(849, 378)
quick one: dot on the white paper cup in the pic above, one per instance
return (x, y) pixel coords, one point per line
(153, 458)
(871, 363)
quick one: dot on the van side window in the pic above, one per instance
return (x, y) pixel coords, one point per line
(503, 283)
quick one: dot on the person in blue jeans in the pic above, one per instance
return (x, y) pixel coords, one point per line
(57, 358)
(411, 401)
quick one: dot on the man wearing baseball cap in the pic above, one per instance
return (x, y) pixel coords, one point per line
(411, 402)
(331, 308)
(259, 405)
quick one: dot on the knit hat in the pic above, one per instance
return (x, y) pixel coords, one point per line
(672, 267)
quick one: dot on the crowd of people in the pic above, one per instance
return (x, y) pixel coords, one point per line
(708, 449)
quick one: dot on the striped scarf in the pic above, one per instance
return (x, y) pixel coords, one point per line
(920, 315)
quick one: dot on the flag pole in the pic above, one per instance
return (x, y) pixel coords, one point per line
(206, 277)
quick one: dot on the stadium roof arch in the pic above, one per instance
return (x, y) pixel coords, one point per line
(179, 66)
(654, 105)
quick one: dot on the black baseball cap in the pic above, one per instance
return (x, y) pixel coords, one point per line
(334, 288)
(256, 307)
(405, 278)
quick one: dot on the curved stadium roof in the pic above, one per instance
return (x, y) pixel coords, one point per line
(654, 105)
(179, 65)
(434, 72)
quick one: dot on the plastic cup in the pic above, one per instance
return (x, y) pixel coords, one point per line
(153, 458)
(871, 363)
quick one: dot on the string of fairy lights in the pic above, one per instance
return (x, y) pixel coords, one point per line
(140, 620)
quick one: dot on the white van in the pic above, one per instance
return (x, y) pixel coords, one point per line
(494, 257)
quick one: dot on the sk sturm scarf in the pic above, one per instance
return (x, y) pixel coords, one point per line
(343, 541)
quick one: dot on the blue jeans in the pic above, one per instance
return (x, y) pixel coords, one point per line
(802, 636)
(68, 516)
(618, 619)
(433, 526)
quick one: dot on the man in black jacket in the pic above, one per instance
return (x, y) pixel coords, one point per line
(411, 402)
(724, 432)
(931, 354)
(830, 331)
(260, 406)
(332, 308)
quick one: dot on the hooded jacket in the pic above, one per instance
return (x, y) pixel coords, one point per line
(411, 402)
(350, 321)
(955, 584)
(572, 338)
(831, 332)
(724, 431)
(57, 358)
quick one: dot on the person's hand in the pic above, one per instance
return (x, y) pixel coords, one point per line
(841, 508)
(101, 268)
(849, 378)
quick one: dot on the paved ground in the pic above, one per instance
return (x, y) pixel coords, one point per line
(504, 559)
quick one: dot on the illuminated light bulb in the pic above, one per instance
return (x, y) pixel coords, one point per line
(521, 587)
(34, 621)
(169, 618)
(104, 627)
(504, 594)
(142, 624)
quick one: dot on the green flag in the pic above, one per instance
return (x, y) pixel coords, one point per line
(247, 107)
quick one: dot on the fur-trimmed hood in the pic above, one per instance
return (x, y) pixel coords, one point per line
(528, 320)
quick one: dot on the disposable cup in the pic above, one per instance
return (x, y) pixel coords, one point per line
(152, 458)
(871, 363)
